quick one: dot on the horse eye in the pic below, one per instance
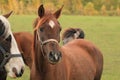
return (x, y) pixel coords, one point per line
(41, 29)
(60, 29)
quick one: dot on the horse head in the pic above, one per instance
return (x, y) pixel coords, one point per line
(47, 32)
(11, 59)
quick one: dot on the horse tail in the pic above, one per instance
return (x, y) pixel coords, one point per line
(71, 34)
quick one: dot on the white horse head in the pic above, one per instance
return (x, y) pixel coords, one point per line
(15, 65)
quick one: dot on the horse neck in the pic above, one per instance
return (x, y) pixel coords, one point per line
(44, 69)
(38, 55)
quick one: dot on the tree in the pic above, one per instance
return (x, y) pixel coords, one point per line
(103, 10)
(13, 5)
(89, 9)
(118, 11)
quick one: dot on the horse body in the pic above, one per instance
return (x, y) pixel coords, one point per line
(24, 41)
(77, 60)
(82, 62)
(86, 59)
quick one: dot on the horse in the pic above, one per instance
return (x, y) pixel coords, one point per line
(71, 34)
(79, 59)
(24, 41)
(11, 62)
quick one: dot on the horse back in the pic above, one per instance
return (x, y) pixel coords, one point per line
(86, 59)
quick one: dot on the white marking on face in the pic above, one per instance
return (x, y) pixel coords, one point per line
(76, 34)
(51, 23)
(7, 26)
(15, 62)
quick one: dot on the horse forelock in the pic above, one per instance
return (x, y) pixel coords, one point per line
(39, 21)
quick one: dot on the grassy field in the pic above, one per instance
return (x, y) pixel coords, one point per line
(102, 31)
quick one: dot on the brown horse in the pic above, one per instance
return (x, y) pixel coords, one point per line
(71, 34)
(77, 60)
(24, 41)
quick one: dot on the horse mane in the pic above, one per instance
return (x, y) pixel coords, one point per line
(36, 50)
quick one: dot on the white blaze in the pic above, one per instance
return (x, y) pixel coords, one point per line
(76, 34)
(51, 23)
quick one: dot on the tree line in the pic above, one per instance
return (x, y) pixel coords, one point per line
(76, 7)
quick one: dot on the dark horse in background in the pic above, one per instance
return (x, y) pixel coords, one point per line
(71, 34)
(77, 60)
(24, 41)
(11, 62)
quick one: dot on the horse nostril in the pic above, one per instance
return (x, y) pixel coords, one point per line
(51, 54)
(22, 70)
(16, 73)
(14, 70)
(55, 56)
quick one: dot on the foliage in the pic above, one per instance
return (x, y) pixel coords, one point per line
(89, 9)
(80, 7)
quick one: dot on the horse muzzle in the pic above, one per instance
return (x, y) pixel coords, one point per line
(54, 57)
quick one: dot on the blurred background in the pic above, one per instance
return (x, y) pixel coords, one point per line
(78, 7)
(99, 19)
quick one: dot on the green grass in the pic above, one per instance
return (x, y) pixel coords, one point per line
(102, 31)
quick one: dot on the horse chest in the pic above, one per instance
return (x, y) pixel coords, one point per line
(56, 72)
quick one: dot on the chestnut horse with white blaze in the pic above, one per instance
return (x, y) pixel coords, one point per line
(77, 60)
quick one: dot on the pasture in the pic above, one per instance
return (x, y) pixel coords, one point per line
(104, 32)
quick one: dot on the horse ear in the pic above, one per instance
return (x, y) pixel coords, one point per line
(41, 11)
(8, 14)
(58, 12)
